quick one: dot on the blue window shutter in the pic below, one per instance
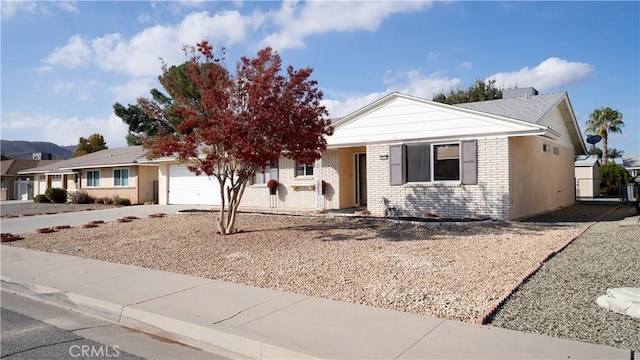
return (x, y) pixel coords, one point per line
(397, 156)
(469, 155)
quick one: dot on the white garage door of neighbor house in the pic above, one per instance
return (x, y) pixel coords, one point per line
(185, 188)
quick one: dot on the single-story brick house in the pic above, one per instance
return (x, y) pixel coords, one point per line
(105, 173)
(501, 159)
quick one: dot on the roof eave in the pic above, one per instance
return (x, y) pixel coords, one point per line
(98, 166)
(533, 132)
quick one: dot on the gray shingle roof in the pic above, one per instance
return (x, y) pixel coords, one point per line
(590, 161)
(107, 157)
(530, 109)
(15, 166)
(631, 161)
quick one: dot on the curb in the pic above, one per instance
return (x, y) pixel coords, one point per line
(493, 308)
(206, 338)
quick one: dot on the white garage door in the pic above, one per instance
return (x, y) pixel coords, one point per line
(185, 188)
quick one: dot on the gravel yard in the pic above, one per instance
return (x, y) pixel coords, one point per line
(454, 273)
(33, 208)
(560, 299)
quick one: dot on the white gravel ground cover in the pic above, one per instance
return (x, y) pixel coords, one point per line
(453, 273)
(33, 208)
(560, 300)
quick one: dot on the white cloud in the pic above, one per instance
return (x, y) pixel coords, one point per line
(132, 90)
(45, 69)
(465, 66)
(549, 74)
(43, 127)
(340, 108)
(139, 56)
(299, 20)
(144, 18)
(11, 8)
(409, 82)
(75, 53)
(62, 87)
(68, 6)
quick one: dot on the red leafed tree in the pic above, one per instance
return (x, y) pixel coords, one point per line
(236, 123)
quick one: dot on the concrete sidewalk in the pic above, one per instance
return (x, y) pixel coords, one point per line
(262, 323)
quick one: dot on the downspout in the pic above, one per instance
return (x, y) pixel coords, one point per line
(317, 179)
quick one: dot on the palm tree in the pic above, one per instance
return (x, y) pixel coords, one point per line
(613, 153)
(602, 122)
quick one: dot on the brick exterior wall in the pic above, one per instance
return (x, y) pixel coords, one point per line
(296, 192)
(490, 197)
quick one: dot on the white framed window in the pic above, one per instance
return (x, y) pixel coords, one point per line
(93, 178)
(433, 162)
(446, 162)
(265, 174)
(304, 169)
(121, 177)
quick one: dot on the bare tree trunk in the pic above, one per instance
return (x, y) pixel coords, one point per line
(223, 206)
(230, 203)
(604, 147)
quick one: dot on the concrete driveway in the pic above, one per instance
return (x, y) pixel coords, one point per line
(30, 223)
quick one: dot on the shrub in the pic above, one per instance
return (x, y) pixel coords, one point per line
(107, 201)
(56, 195)
(612, 176)
(121, 201)
(272, 183)
(98, 200)
(41, 199)
(81, 197)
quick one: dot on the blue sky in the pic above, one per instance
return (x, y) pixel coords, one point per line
(64, 64)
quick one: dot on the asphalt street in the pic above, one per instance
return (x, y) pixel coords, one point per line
(26, 338)
(36, 330)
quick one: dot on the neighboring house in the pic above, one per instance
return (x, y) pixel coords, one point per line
(587, 174)
(18, 187)
(501, 159)
(632, 164)
(106, 173)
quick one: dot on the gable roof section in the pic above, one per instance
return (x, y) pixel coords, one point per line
(588, 162)
(530, 109)
(631, 161)
(533, 109)
(15, 166)
(103, 158)
(399, 117)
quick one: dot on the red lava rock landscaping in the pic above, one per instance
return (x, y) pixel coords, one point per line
(60, 227)
(96, 222)
(45, 230)
(89, 225)
(157, 215)
(8, 237)
(123, 220)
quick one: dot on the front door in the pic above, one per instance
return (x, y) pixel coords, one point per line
(23, 188)
(361, 179)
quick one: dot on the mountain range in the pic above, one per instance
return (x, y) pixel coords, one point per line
(18, 149)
